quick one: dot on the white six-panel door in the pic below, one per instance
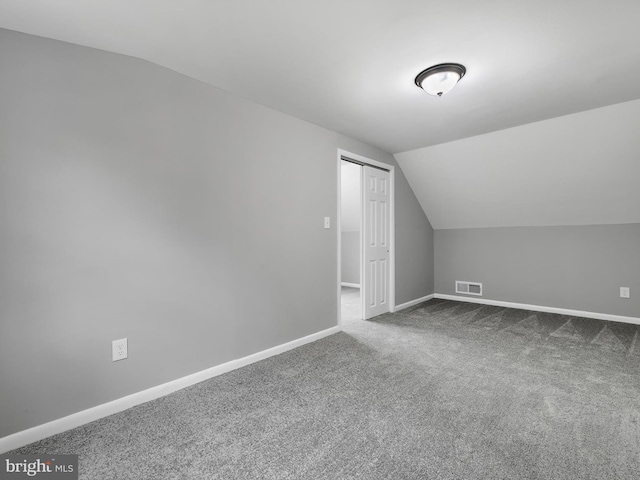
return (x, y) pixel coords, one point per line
(376, 232)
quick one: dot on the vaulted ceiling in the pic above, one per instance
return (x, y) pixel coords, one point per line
(349, 65)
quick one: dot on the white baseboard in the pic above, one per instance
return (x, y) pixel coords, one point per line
(413, 302)
(540, 308)
(25, 437)
(352, 285)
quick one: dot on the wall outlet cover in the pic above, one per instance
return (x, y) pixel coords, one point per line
(119, 349)
(624, 292)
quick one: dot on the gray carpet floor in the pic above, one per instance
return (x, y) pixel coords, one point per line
(444, 390)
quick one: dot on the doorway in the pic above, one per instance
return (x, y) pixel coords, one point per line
(366, 266)
(350, 240)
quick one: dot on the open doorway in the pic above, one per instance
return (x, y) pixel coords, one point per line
(350, 240)
(366, 259)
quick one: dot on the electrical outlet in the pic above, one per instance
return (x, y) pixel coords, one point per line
(119, 349)
(624, 292)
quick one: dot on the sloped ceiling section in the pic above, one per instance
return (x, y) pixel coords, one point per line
(579, 169)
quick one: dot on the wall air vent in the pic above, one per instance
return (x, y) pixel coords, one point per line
(469, 288)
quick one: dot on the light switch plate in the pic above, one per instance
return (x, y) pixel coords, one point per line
(624, 292)
(327, 222)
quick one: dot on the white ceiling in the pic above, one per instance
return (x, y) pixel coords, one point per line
(349, 65)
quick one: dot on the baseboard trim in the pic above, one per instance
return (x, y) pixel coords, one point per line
(352, 285)
(541, 308)
(402, 306)
(40, 432)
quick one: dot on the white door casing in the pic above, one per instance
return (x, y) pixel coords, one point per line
(376, 231)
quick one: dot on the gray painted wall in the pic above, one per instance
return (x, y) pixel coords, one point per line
(414, 245)
(573, 267)
(136, 202)
(351, 217)
(350, 265)
(350, 197)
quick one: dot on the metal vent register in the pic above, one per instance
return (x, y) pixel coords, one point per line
(469, 288)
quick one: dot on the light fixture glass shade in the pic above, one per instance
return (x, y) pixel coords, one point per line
(440, 79)
(440, 83)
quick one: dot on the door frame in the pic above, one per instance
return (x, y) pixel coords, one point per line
(359, 159)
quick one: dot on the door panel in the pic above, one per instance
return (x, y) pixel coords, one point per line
(376, 241)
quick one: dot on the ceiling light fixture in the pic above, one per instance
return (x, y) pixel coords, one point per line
(440, 78)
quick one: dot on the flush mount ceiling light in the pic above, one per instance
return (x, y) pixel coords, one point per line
(441, 78)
